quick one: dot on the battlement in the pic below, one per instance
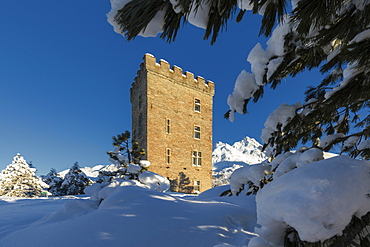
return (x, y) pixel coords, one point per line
(174, 74)
(169, 106)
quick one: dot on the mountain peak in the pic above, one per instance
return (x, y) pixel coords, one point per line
(248, 150)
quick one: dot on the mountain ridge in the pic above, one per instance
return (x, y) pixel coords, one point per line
(248, 150)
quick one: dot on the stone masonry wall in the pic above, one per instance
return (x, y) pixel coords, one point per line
(163, 94)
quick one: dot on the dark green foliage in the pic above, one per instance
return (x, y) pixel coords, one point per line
(275, 10)
(226, 193)
(252, 188)
(122, 144)
(75, 181)
(54, 181)
(135, 16)
(356, 234)
(123, 156)
(338, 113)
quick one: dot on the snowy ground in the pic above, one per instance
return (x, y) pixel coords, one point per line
(131, 216)
(314, 192)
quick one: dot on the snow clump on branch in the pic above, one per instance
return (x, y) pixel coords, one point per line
(279, 117)
(299, 199)
(154, 27)
(198, 17)
(263, 65)
(115, 6)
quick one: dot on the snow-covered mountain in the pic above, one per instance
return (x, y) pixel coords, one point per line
(247, 150)
(227, 158)
(92, 172)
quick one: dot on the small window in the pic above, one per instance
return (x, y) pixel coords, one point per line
(168, 126)
(168, 156)
(197, 105)
(197, 158)
(196, 186)
(196, 132)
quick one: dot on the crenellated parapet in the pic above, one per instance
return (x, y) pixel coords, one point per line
(172, 121)
(175, 74)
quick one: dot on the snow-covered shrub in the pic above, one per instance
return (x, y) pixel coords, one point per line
(154, 181)
(146, 179)
(123, 154)
(54, 180)
(18, 179)
(318, 200)
(128, 172)
(291, 160)
(314, 198)
(251, 175)
(128, 160)
(75, 181)
(256, 176)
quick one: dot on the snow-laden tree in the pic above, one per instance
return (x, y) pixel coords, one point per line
(18, 179)
(75, 181)
(54, 180)
(128, 167)
(127, 159)
(304, 34)
(123, 154)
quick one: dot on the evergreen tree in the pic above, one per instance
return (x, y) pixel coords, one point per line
(54, 181)
(123, 154)
(75, 181)
(18, 179)
(128, 159)
(332, 35)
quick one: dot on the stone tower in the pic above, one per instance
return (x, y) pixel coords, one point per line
(172, 121)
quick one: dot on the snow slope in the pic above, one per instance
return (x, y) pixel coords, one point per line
(129, 216)
(19, 213)
(316, 196)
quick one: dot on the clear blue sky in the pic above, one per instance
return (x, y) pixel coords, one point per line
(65, 77)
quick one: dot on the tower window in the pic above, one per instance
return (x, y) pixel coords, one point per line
(168, 156)
(197, 158)
(197, 105)
(196, 132)
(168, 126)
(196, 186)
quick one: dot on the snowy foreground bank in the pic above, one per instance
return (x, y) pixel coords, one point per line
(129, 216)
(316, 198)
